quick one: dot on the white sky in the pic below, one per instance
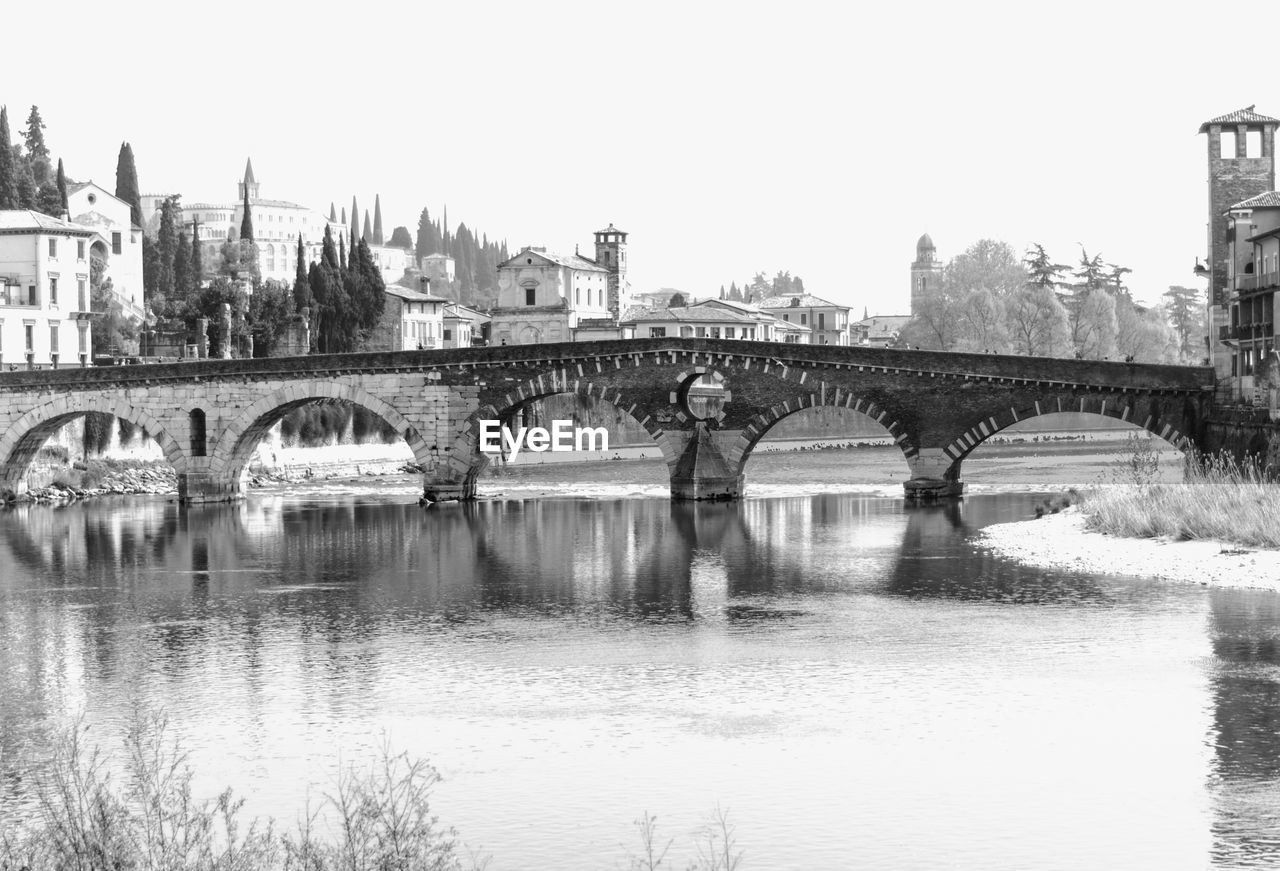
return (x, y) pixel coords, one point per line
(727, 138)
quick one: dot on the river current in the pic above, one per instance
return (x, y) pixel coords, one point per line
(856, 682)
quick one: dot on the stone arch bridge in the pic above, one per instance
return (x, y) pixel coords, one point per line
(208, 416)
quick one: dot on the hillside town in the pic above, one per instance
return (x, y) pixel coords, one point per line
(103, 273)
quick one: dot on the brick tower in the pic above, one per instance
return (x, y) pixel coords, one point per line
(611, 253)
(1241, 165)
(926, 271)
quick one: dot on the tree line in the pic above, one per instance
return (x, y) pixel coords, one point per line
(760, 287)
(475, 258)
(988, 299)
(28, 178)
(344, 294)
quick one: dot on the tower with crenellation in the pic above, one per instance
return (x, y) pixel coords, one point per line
(1241, 166)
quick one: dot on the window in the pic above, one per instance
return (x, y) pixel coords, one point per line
(577, 295)
(31, 294)
(53, 338)
(30, 330)
(729, 332)
(448, 335)
(715, 332)
(115, 243)
(53, 247)
(822, 321)
(196, 420)
(804, 319)
(84, 337)
(530, 296)
(701, 332)
(80, 250)
(786, 317)
(53, 290)
(657, 332)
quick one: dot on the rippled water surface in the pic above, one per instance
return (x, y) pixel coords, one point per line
(856, 682)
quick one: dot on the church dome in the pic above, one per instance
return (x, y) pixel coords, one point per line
(925, 243)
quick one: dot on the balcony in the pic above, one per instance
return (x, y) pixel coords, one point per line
(1260, 281)
(1247, 332)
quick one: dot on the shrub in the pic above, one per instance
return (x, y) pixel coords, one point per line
(1218, 499)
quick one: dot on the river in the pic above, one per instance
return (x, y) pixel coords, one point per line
(853, 680)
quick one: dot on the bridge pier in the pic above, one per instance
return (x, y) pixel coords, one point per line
(934, 475)
(702, 471)
(13, 487)
(198, 483)
(451, 481)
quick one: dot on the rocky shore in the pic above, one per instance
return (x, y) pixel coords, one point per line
(158, 480)
(1061, 541)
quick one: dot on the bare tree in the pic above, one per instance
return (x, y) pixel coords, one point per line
(1037, 323)
(1096, 325)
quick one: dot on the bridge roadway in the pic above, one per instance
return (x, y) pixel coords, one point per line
(208, 416)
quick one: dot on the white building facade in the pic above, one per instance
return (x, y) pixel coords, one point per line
(91, 205)
(543, 295)
(45, 318)
(277, 224)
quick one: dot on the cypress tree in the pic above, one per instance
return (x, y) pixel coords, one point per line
(367, 234)
(328, 251)
(444, 232)
(167, 242)
(181, 271)
(8, 166)
(377, 220)
(27, 189)
(62, 188)
(246, 222)
(127, 183)
(301, 284)
(333, 213)
(342, 254)
(197, 257)
(34, 137)
(355, 220)
(343, 221)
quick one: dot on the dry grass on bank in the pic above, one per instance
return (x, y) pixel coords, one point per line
(138, 812)
(1218, 500)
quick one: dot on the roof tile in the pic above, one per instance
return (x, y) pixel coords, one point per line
(1239, 116)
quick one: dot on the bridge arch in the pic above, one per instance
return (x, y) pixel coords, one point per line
(466, 461)
(230, 457)
(23, 438)
(761, 423)
(1146, 413)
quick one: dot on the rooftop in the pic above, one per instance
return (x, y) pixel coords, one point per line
(1239, 116)
(408, 294)
(884, 322)
(807, 300)
(1270, 199)
(692, 314)
(16, 220)
(573, 261)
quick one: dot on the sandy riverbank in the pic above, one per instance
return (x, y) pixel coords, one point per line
(1062, 541)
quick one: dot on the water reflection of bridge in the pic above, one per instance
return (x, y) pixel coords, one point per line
(94, 597)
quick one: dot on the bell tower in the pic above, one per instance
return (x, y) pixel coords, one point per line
(248, 187)
(1241, 165)
(611, 253)
(926, 272)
